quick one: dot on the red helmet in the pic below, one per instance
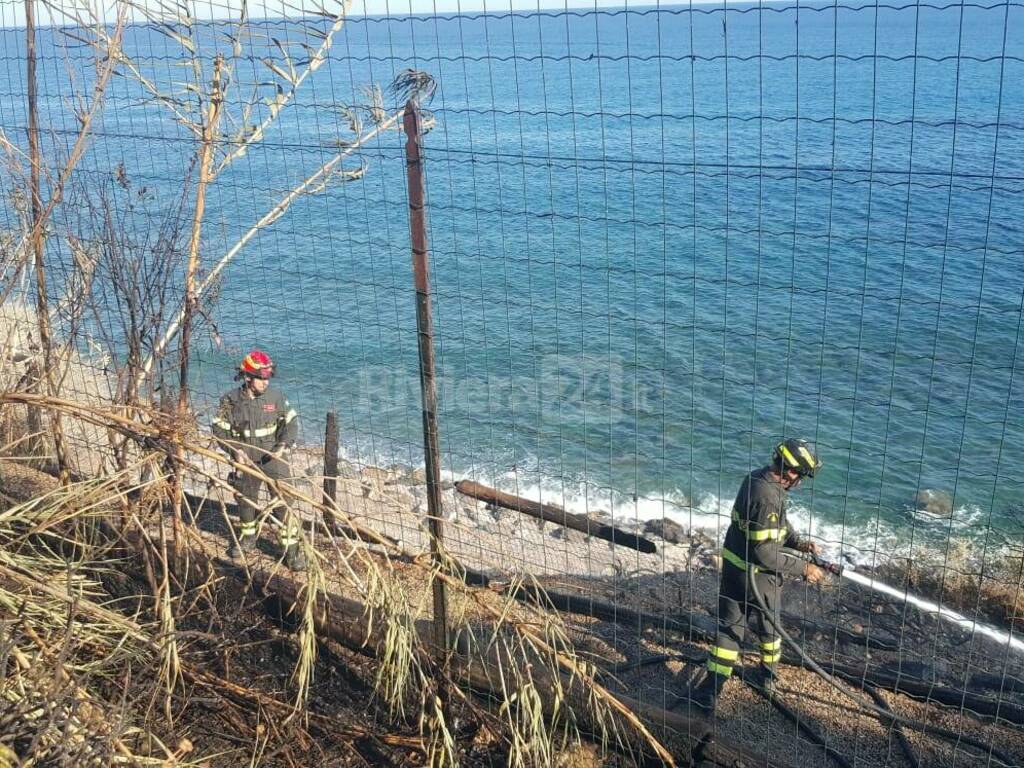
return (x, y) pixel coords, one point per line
(257, 364)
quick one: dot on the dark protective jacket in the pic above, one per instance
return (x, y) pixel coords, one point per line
(263, 424)
(759, 530)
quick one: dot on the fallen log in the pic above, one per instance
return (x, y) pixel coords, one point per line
(840, 633)
(1006, 684)
(552, 514)
(660, 658)
(696, 626)
(909, 751)
(931, 692)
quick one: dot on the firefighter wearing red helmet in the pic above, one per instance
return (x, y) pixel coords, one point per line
(256, 425)
(759, 545)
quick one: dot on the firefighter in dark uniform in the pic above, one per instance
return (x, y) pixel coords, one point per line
(756, 541)
(256, 425)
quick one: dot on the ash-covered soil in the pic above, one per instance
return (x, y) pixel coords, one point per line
(840, 623)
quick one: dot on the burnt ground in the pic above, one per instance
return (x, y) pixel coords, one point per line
(244, 638)
(923, 649)
(234, 705)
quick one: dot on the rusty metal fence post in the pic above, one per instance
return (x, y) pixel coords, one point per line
(425, 332)
(330, 487)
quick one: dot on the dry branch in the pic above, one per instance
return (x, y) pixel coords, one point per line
(112, 48)
(694, 625)
(247, 138)
(307, 186)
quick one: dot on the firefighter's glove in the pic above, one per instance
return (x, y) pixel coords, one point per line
(815, 575)
(241, 457)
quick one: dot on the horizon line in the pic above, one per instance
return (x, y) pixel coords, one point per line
(454, 8)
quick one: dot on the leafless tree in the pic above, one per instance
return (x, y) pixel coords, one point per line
(29, 246)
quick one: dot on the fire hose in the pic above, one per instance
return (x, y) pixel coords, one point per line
(869, 706)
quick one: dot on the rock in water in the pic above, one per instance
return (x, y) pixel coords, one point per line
(670, 531)
(938, 503)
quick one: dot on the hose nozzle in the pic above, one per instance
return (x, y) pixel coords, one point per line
(834, 568)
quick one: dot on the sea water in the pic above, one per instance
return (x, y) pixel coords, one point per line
(661, 239)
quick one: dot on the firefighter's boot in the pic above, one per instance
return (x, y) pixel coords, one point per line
(765, 679)
(294, 558)
(705, 695)
(245, 543)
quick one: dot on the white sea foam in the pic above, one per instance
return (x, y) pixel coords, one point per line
(868, 543)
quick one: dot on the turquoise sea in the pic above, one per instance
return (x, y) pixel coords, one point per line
(661, 238)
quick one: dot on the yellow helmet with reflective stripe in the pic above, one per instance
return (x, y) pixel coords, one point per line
(797, 455)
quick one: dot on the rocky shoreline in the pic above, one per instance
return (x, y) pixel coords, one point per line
(503, 543)
(494, 540)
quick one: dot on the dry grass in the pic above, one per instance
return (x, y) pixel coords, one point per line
(63, 641)
(546, 689)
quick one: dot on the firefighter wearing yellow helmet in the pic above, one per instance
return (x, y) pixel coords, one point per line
(754, 547)
(256, 425)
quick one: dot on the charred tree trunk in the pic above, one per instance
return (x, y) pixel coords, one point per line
(552, 514)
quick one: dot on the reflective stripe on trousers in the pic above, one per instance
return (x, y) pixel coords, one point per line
(771, 651)
(721, 660)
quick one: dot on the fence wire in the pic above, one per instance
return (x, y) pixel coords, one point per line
(662, 239)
